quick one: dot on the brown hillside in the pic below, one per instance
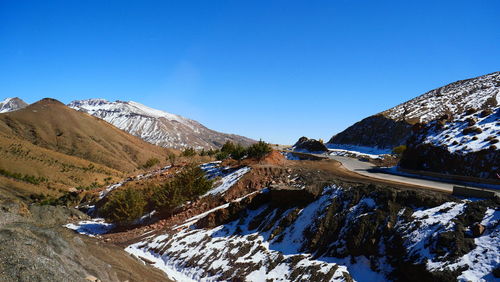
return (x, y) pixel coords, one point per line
(50, 124)
(19, 158)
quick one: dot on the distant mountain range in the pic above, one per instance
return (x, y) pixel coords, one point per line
(11, 104)
(155, 126)
(393, 126)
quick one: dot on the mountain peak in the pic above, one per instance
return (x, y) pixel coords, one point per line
(12, 104)
(156, 126)
(48, 101)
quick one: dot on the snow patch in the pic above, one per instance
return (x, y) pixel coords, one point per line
(92, 228)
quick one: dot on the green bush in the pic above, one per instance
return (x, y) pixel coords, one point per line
(172, 158)
(189, 152)
(151, 162)
(228, 147)
(186, 185)
(399, 150)
(23, 177)
(259, 150)
(239, 152)
(220, 156)
(212, 152)
(124, 206)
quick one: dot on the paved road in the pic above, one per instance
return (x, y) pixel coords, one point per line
(369, 170)
(365, 168)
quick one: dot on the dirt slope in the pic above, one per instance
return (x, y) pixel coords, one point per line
(52, 125)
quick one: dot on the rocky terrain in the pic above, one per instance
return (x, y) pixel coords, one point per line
(348, 232)
(11, 104)
(294, 221)
(393, 126)
(461, 145)
(155, 126)
(309, 145)
(51, 157)
(34, 246)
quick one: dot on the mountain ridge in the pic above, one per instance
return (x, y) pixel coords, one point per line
(12, 104)
(392, 127)
(155, 126)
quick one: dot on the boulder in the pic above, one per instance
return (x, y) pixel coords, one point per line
(310, 145)
(477, 230)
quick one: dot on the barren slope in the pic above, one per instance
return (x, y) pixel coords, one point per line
(50, 124)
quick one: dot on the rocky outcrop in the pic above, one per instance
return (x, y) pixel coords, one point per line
(427, 157)
(34, 246)
(309, 145)
(375, 131)
(450, 146)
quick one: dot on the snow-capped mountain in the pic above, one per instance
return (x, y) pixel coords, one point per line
(393, 126)
(12, 104)
(475, 93)
(155, 126)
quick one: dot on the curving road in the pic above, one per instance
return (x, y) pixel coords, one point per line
(369, 170)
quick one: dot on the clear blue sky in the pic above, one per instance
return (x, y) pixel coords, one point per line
(274, 70)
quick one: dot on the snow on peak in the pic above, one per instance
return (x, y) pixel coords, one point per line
(155, 126)
(11, 104)
(93, 106)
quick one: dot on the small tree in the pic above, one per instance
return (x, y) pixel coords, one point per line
(259, 150)
(186, 185)
(239, 152)
(189, 152)
(212, 152)
(151, 162)
(220, 156)
(228, 147)
(124, 206)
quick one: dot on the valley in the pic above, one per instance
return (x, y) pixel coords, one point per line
(115, 191)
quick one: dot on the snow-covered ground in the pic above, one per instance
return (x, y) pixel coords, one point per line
(227, 250)
(230, 250)
(356, 151)
(429, 223)
(228, 181)
(94, 227)
(228, 176)
(452, 98)
(451, 135)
